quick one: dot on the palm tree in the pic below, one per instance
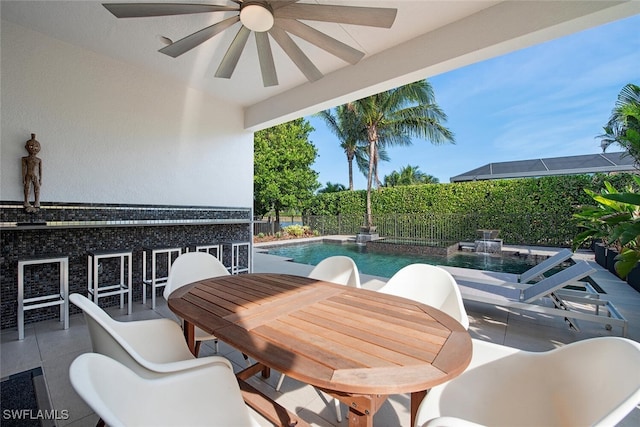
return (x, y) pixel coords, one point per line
(392, 180)
(409, 175)
(362, 160)
(610, 136)
(345, 125)
(332, 188)
(394, 116)
(384, 141)
(430, 179)
(623, 126)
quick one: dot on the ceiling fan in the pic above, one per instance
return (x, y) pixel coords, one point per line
(277, 18)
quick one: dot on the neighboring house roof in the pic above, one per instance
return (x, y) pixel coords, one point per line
(570, 165)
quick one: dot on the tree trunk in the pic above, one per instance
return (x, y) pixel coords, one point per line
(372, 150)
(350, 161)
(375, 169)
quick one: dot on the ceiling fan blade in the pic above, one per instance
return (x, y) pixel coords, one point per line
(369, 16)
(230, 60)
(267, 66)
(275, 5)
(296, 54)
(323, 41)
(183, 45)
(142, 10)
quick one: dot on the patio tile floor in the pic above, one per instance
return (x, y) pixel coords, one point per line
(48, 346)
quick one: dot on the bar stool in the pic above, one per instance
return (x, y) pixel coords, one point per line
(236, 247)
(60, 298)
(94, 267)
(153, 280)
(213, 248)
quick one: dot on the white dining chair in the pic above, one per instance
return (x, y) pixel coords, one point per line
(594, 382)
(430, 285)
(191, 267)
(151, 348)
(209, 396)
(338, 269)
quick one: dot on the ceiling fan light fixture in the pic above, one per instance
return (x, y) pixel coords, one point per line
(256, 17)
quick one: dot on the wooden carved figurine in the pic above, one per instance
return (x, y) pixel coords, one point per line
(32, 173)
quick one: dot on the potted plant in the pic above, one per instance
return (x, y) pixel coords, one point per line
(615, 219)
(633, 278)
(612, 256)
(600, 251)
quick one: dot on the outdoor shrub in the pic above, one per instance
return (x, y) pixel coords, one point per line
(533, 211)
(294, 230)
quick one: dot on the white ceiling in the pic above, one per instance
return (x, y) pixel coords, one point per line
(427, 37)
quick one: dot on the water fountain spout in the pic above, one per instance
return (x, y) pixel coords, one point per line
(488, 242)
(366, 234)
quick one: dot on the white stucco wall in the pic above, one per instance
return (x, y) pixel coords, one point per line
(114, 133)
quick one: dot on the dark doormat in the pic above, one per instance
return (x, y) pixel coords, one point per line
(24, 401)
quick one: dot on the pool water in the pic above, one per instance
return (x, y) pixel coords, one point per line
(386, 265)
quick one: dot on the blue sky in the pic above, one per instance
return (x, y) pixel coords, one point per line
(549, 100)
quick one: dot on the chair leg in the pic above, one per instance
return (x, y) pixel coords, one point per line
(280, 380)
(336, 402)
(197, 349)
(246, 359)
(216, 345)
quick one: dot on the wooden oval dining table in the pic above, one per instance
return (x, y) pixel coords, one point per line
(357, 345)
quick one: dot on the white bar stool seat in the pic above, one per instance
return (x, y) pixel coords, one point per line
(61, 298)
(213, 248)
(95, 291)
(150, 254)
(237, 247)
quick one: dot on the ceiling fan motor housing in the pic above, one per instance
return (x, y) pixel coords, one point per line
(256, 16)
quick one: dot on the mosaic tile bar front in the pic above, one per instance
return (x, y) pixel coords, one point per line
(73, 230)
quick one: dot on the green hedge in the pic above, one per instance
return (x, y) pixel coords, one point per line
(533, 211)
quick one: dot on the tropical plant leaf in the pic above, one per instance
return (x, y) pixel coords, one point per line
(610, 188)
(629, 234)
(628, 198)
(603, 200)
(626, 261)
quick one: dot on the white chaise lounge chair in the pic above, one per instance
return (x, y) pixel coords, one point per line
(529, 297)
(495, 277)
(524, 280)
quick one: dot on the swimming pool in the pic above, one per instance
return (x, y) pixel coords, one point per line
(385, 265)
